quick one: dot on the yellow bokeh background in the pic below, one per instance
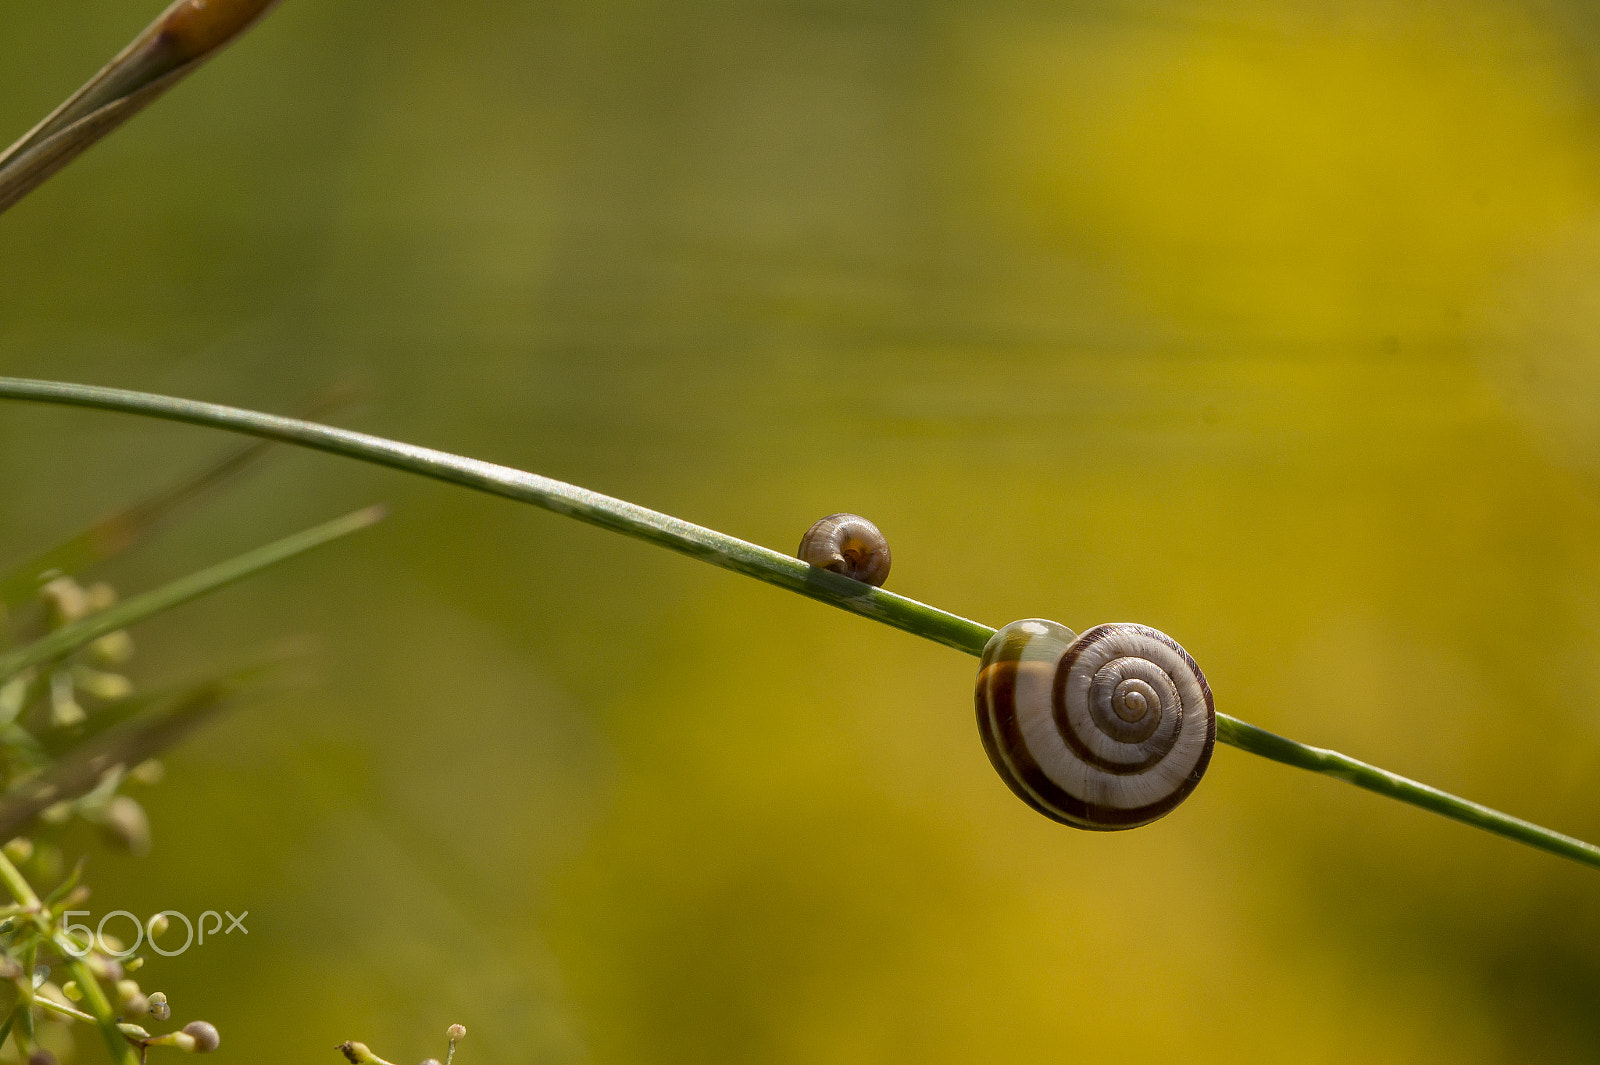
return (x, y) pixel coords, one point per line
(1274, 326)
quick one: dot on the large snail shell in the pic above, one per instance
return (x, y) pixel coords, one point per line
(1107, 730)
(847, 544)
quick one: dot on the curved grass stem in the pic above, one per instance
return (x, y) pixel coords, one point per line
(763, 564)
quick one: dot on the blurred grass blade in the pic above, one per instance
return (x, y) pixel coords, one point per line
(54, 744)
(72, 636)
(128, 744)
(171, 47)
(115, 532)
(764, 564)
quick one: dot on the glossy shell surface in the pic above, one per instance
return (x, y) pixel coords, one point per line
(847, 544)
(1108, 730)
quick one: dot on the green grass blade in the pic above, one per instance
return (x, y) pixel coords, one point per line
(1259, 741)
(72, 636)
(113, 533)
(761, 563)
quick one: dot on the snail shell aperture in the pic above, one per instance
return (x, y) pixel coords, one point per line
(847, 544)
(1111, 729)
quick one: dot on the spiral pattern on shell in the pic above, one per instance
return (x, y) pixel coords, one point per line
(1108, 730)
(847, 544)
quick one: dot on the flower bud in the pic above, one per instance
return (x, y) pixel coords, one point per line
(66, 595)
(456, 1031)
(150, 771)
(13, 694)
(105, 968)
(114, 648)
(107, 687)
(64, 709)
(159, 1009)
(204, 1035)
(99, 596)
(125, 821)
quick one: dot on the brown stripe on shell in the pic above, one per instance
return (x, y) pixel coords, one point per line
(1064, 724)
(1000, 730)
(1002, 739)
(996, 689)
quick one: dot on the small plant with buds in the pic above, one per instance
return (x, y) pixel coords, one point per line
(75, 735)
(72, 736)
(361, 1054)
(36, 942)
(50, 706)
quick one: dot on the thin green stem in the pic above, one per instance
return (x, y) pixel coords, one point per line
(1259, 741)
(24, 1014)
(360, 1054)
(12, 880)
(119, 530)
(751, 560)
(617, 515)
(122, 1051)
(62, 1008)
(71, 636)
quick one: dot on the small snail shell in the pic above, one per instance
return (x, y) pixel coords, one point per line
(847, 544)
(1108, 730)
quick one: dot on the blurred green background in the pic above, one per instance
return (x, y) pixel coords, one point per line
(1275, 327)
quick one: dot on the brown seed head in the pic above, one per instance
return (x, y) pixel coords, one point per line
(195, 27)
